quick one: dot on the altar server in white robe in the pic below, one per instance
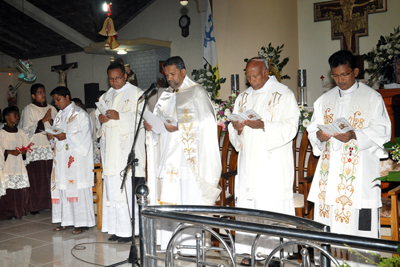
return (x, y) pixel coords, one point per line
(184, 163)
(117, 133)
(72, 174)
(265, 163)
(345, 196)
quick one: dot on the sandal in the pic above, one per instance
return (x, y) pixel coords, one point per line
(62, 228)
(246, 262)
(79, 230)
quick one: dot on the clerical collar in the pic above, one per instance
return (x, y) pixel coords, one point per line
(185, 84)
(123, 88)
(10, 129)
(351, 90)
(39, 104)
(271, 80)
(65, 111)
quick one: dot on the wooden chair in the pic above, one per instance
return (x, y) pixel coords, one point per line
(305, 163)
(98, 192)
(389, 213)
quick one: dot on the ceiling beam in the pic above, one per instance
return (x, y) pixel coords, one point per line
(50, 22)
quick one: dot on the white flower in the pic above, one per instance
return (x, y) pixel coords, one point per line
(397, 45)
(233, 95)
(388, 46)
(390, 56)
(305, 114)
(224, 119)
(382, 47)
(209, 74)
(390, 51)
(306, 123)
(227, 112)
(216, 105)
(301, 107)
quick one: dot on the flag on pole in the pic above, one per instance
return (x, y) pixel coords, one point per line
(210, 48)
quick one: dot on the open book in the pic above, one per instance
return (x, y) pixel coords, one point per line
(158, 121)
(247, 115)
(54, 130)
(340, 125)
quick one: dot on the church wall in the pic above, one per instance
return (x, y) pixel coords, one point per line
(243, 27)
(315, 44)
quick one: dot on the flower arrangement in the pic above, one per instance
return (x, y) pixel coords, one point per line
(394, 150)
(223, 109)
(207, 77)
(273, 55)
(305, 117)
(381, 56)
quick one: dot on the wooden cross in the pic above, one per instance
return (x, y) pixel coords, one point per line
(349, 19)
(172, 174)
(63, 69)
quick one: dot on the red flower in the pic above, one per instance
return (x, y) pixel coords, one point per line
(349, 160)
(71, 159)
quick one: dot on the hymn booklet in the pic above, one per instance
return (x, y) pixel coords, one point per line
(102, 106)
(340, 125)
(54, 130)
(247, 115)
(158, 121)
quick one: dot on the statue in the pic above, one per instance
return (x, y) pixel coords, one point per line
(12, 96)
(62, 75)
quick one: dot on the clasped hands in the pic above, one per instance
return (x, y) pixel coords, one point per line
(344, 137)
(170, 128)
(254, 124)
(110, 115)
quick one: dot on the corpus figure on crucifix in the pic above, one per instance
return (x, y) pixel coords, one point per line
(62, 75)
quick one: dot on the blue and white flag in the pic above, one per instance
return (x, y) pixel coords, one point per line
(210, 48)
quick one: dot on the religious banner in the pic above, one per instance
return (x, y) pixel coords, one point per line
(349, 19)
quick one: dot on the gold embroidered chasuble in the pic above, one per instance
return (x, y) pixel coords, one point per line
(73, 157)
(191, 153)
(265, 156)
(345, 171)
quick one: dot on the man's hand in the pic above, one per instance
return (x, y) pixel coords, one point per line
(103, 118)
(112, 114)
(323, 137)
(13, 152)
(61, 136)
(238, 126)
(47, 116)
(257, 124)
(50, 136)
(171, 128)
(147, 126)
(345, 137)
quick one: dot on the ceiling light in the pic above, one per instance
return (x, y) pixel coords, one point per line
(184, 2)
(105, 9)
(122, 52)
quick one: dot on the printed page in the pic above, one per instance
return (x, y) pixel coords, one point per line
(102, 106)
(156, 122)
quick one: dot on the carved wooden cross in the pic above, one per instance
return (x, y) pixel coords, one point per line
(349, 19)
(172, 174)
(63, 69)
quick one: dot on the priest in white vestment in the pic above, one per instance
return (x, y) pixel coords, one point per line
(265, 163)
(72, 175)
(345, 196)
(117, 132)
(184, 164)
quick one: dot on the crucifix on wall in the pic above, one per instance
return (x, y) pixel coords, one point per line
(349, 19)
(62, 70)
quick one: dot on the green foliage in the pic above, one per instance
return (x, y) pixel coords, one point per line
(207, 77)
(305, 117)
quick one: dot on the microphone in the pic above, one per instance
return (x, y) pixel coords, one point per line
(148, 91)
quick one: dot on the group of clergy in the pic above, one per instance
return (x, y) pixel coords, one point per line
(183, 162)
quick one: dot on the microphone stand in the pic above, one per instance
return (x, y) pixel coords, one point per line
(133, 254)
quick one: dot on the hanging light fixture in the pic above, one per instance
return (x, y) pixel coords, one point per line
(184, 2)
(122, 52)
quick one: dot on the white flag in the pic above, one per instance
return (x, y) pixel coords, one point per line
(210, 49)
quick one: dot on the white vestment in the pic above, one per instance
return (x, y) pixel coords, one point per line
(72, 176)
(265, 163)
(184, 166)
(116, 142)
(2, 179)
(342, 185)
(31, 114)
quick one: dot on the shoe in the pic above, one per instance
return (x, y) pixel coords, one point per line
(62, 228)
(124, 239)
(113, 238)
(79, 230)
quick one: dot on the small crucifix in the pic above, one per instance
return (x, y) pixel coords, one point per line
(349, 19)
(172, 174)
(62, 71)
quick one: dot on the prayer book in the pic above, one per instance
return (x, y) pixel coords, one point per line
(155, 121)
(340, 125)
(168, 120)
(102, 106)
(54, 130)
(247, 115)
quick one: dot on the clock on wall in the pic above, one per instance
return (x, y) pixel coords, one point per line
(184, 22)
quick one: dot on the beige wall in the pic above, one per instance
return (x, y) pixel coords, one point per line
(243, 27)
(315, 44)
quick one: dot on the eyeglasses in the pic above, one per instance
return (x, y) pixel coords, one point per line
(115, 79)
(341, 75)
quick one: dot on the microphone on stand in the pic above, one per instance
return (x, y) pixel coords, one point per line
(148, 91)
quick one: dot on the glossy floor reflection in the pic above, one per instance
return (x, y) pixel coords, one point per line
(32, 241)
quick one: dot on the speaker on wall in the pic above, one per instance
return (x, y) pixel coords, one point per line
(91, 90)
